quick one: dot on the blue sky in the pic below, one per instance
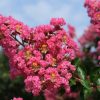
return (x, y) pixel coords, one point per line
(35, 12)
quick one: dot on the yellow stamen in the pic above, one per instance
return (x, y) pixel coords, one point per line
(98, 16)
(35, 65)
(44, 48)
(28, 54)
(54, 61)
(64, 38)
(18, 28)
(53, 75)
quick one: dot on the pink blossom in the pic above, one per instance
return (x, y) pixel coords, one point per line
(71, 31)
(17, 98)
(39, 36)
(57, 22)
(70, 54)
(91, 35)
(33, 84)
(50, 95)
(43, 29)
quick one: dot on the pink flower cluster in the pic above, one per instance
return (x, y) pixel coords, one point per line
(71, 31)
(57, 22)
(91, 37)
(17, 98)
(93, 8)
(42, 55)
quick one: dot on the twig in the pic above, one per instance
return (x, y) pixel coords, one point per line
(18, 40)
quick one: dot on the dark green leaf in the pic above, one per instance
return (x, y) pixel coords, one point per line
(77, 62)
(80, 69)
(98, 84)
(87, 93)
(86, 84)
(72, 82)
(81, 73)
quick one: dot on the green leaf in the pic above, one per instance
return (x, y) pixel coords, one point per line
(95, 77)
(72, 82)
(95, 70)
(81, 73)
(77, 62)
(86, 84)
(80, 69)
(98, 84)
(86, 90)
(87, 93)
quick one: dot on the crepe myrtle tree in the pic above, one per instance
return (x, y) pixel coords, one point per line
(49, 60)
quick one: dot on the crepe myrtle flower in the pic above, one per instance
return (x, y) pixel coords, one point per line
(42, 55)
